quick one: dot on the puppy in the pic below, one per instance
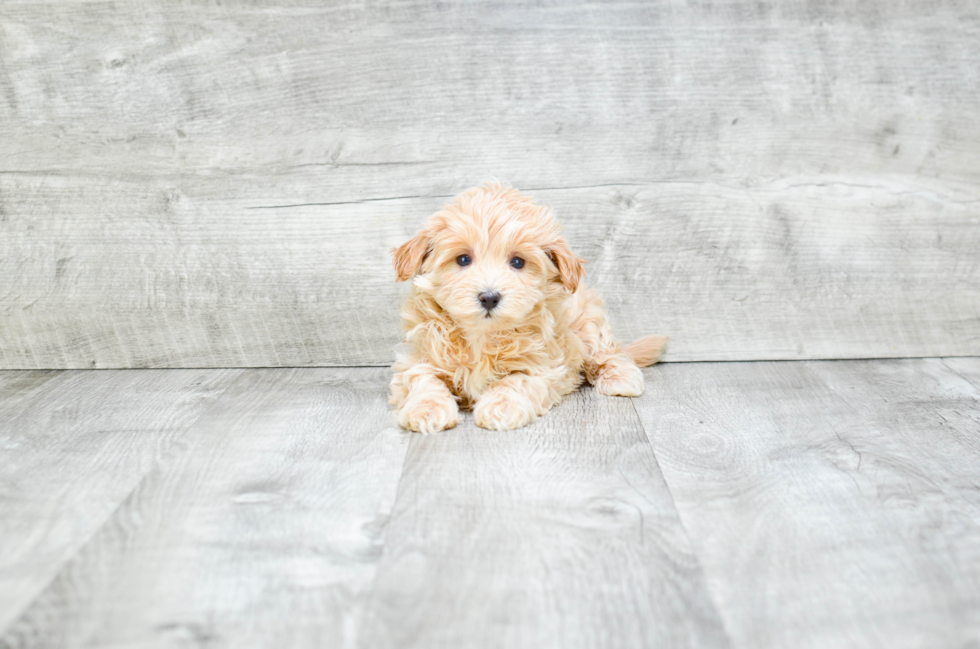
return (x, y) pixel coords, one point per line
(497, 318)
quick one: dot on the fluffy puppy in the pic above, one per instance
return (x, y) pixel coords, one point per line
(498, 320)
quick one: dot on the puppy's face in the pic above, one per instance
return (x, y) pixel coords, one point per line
(486, 276)
(489, 258)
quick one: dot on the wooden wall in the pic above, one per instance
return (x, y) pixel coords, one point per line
(219, 184)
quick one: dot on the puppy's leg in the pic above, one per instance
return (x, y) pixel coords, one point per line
(512, 402)
(609, 369)
(424, 403)
(619, 377)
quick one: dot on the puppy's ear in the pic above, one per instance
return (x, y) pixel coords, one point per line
(571, 269)
(409, 256)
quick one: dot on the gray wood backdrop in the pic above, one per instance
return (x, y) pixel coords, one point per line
(218, 184)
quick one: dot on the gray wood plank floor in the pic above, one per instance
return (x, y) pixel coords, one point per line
(775, 504)
(574, 536)
(832, 504)
(266, 528)
(73, 446)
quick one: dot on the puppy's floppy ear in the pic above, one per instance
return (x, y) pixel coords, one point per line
(409, 256)
(571, 269)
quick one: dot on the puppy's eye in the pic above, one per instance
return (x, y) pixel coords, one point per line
(464, 260)
(517, 262)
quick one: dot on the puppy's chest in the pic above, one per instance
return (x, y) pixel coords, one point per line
(494, 355)
(477, 364)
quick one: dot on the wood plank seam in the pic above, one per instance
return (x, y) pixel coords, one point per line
(338, 366)
(687, 534)
(954, 371)
(801, 469)
(373, 588)
(118, 539)
(167, 454)
(448, 196)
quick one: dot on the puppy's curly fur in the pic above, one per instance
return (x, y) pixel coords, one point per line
(498, 320)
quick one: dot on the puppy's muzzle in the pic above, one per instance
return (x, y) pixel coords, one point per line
(489, 300)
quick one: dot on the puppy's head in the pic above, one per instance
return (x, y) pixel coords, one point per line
(489, 258)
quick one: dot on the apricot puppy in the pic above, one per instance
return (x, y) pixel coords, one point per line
(498, 320)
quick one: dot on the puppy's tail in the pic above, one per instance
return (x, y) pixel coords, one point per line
(647, 350)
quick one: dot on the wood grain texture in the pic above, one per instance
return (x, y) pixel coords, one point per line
(776, 270)
(830, 503)
(558, 535)
(265, 530)
(968, 368)
(759, 182)
(546, 95)
(816, 504)
(73, 446)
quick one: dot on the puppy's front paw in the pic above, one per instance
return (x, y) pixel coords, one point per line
(619, 379)
(429, 414)
(503, 410)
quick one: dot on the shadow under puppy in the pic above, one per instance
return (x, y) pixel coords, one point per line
(498, 320)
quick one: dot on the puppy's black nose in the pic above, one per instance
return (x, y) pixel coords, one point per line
(489, 300)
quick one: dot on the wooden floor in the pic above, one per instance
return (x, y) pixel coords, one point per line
(190, 184)
(763, 504)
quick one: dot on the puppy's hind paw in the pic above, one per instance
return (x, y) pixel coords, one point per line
(429, 415)
(619, 380)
